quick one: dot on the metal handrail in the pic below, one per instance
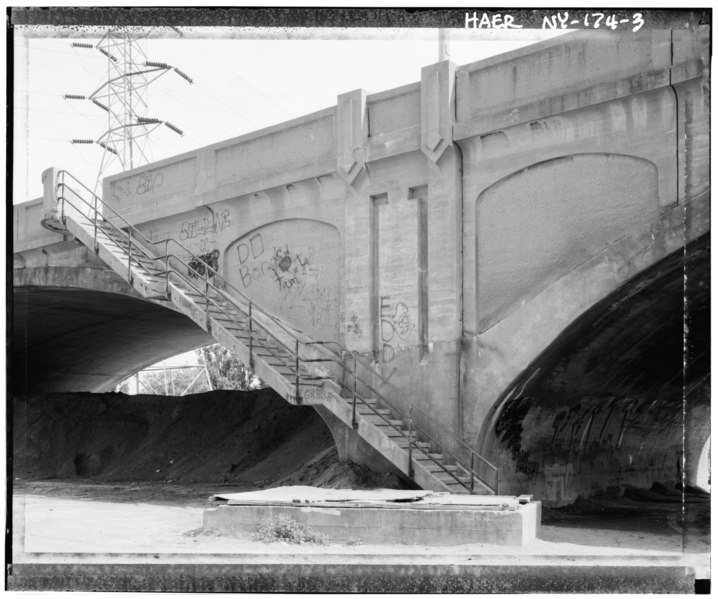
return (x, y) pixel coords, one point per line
(338, 358)
(358, 358)
(214, 273)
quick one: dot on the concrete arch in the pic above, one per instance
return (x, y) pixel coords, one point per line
(497, 355)
(83, 328)
(614, 401)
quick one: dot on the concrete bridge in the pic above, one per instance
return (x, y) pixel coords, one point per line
(517, 248)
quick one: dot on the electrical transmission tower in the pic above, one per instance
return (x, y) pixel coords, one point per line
(123, 96)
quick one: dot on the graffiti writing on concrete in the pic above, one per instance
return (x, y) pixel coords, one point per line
(198, 265)
(253, 247)
(283, 266)
(605, 423)
(561, 481)
(291, 268)
(149, 182)
(395, 326)
(353, 325)
(205, 226)
(317, 394)
(120, 190)
(595, 427)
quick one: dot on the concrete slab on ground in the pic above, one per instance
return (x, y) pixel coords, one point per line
(380, 516)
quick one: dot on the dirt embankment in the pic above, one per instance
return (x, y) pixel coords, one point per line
(222, 436)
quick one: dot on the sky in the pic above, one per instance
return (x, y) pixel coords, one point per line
(258, 78)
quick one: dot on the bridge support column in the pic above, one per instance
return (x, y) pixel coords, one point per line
(442, 286)
(352, 448)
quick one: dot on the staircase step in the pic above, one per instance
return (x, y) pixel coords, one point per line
(395, 423)
(432, 466)
(404, 444)
(446, 477)
(369, 411)
(394, 434)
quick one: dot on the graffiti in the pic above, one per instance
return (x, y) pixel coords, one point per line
(285, 267)
(254, 245)
(316, 305)
(395, 326)
(289, 268)
(353, 325)
(197, 267)
(573, 428)
(317, 394)
(561, 481)
(203, 226)
(150, 182)
(120, 190)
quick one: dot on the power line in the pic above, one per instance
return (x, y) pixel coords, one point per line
(242, 79)
(123, 96)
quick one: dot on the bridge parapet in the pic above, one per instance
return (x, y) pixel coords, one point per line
(28, 232)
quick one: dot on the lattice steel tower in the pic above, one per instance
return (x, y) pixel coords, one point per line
(123, 96)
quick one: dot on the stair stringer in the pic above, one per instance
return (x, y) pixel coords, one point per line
(326, 395)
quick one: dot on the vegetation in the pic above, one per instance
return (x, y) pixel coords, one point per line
(226, 371)
(285, 528)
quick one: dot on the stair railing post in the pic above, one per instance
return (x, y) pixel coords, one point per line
(206, 299)
(97, 249)
(296, 371)
(354, 399)
(167, 267)
(251, 342)
(129, 256)
(167, 272)
(411, 442)
(471, 473)
(64, 189)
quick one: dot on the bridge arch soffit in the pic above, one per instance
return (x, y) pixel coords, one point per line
(291, 268)
(619, 393)
(541, 222)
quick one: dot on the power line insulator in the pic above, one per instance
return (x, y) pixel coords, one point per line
(106, 53)
(81, 45)
(159, 65)
(147, 120)
(82, 141)
(175, 129)
(183, 75)
(74, 97)
(101, 105)
(108, 148)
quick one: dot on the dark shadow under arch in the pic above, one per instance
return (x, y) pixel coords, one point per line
(603, 405)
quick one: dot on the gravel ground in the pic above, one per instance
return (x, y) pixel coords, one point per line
(119, 520)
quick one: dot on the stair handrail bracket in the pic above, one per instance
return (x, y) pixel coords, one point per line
(161, 270)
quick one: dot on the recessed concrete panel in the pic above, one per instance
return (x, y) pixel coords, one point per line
(397, 224)
(539, 223)
(153, 192)
(291, 269)
(308, 140)
(395, 110)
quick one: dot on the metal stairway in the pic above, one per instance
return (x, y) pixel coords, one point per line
(302, 370)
